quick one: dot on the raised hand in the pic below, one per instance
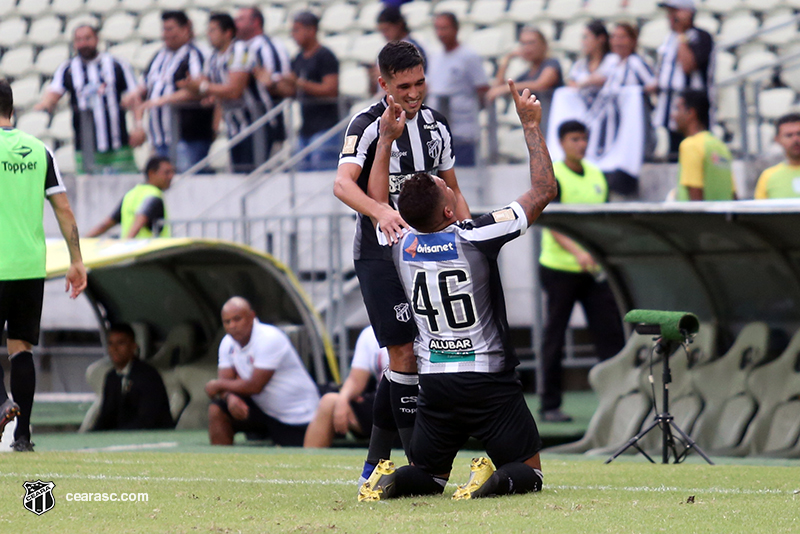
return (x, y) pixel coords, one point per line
(528, 106)
(393, 120)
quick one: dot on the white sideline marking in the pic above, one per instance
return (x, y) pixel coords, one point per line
(350, 482)
(138, 447)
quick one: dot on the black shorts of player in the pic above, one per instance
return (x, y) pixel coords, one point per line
(388, 310)
(21, 308)
(452, 407)
(362, 409)
(264, 426)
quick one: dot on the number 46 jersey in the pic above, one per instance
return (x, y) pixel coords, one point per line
(452, 281)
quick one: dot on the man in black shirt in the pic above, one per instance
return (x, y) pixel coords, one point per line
(315, 82)
(134, 396)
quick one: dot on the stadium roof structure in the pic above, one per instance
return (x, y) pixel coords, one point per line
(728, 262)
(170, 282)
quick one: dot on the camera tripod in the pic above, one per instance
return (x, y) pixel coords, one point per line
(665, 420)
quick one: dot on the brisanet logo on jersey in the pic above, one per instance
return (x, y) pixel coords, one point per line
(432, 247)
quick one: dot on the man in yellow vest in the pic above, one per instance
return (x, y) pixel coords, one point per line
(783, 180)
(569, 274)
(142, 211)
(704, 162)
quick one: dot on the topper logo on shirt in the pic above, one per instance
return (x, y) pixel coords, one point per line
(430, 247)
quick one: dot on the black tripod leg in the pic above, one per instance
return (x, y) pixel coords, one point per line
(691, 444)
(633, 442)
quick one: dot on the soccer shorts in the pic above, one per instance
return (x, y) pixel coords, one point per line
(21, 308)
(452, 407)
(263, 425)
(388, 310)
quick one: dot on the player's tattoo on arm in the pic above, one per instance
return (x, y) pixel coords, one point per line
(74, 237)
(543, 182)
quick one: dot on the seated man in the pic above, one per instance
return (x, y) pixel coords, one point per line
(134, 396)
(262, 386)
(467, 385)
(351, 408)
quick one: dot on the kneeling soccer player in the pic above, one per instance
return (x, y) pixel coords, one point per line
(466, 365)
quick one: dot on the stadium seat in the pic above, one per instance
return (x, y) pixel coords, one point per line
(785, 32)
(61, 126)
(653, 33)
(762, 6)
(65, 157)
(139, 6)
(17, 61)
(512, 145)
(67, 8)
(199, 20)
(126, 51)
(487, 12)
(563, 10)
(775, 428)
(367, 16)
(418, 14)
(34, 123)
(622, 406)
(773, 103)
(719, 7)
(33, 8)
(755, 60)
(145, 54)
(459, 8)
(179, 347)
(80, 20)
(193, 379)
(338, 17)
(708, 23)
(724, 63)
(49, 59)
(642, 9)
(274, 18)
(341, 45)
(26, 91)
(728, 406)
(104, 8)
(571, 38)
(12, 32)
(491, 42)
(149, 27)
(46, 31)
(525, 11)
(7, 7)
(211, 5)
(366, 47)
(604, 9)
(118, 28)
(353, 80)
(737, 27)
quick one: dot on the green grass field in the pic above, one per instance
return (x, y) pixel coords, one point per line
(193, 487)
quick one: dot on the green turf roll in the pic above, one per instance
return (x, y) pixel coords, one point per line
(672, 323)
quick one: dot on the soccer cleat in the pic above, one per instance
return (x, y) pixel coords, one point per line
(380, 483)
(8, 411)
(481, 470)
(22, 445)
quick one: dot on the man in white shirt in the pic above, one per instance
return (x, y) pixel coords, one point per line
(458, 84)
(262, 385)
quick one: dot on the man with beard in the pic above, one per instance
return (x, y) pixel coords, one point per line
(96, 83)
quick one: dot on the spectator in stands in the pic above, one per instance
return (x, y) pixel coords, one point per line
(393, 26)
(142, 211)
(134, 396)
(543, 77)
(590, 72)
(263, 387)
(569, 274)
(704, 162)
(314, 81)
(96, 83)
(783, 180)
(179, 58)
(632, 70)
(351, 408)
(684, 63)
(458, 85)
(227, 82)
(271, 62)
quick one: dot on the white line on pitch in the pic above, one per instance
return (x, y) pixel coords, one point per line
(136, 447)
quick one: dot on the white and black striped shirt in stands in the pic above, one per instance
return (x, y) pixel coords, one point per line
(97, 85)
(633, 70)
(166, 68)
(452, 281)
(238, 113)
(270, 54)
(425, 146)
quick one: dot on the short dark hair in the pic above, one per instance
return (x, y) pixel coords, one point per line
(568, 127)
(178, 16)
(786, 119)
(153, 164)
(419, 201)
(698, 101)
(122, 328)
(224, 21)
(307, 19)
(598, 29)
(451, 16)
(392, 15)
(6, 99)
(399, 56)
(256, 13)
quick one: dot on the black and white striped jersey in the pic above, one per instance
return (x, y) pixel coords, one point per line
(452, 280)
(425, 146)
(241, 112)
(272, 55)
(166, 68)
(97, 86)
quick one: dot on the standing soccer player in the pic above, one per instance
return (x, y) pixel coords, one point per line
(466, 365)
(425, 145)
(28, 175)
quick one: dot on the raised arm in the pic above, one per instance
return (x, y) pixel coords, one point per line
(543, 181)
